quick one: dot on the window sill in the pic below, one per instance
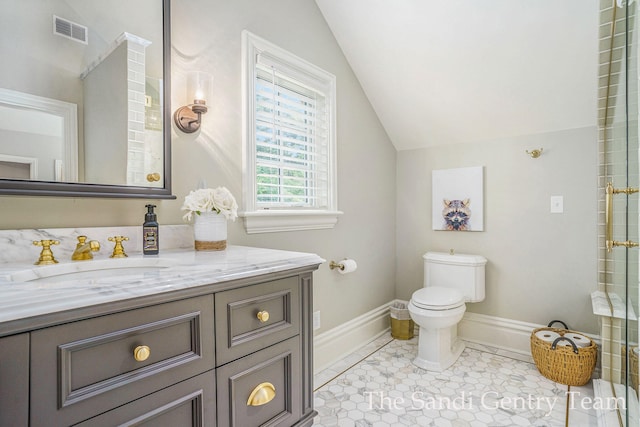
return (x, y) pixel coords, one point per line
(272, 221)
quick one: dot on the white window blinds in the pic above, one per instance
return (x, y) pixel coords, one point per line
(291, 138)
(289, 141)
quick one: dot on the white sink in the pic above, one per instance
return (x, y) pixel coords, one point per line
(92, 269)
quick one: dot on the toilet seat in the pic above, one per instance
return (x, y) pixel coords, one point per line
(437, 298)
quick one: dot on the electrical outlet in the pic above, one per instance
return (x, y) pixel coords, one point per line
(316, 320)
(557, 203)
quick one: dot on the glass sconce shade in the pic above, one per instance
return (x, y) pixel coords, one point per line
(199, 88)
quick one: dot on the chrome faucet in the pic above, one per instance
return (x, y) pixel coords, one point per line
(84, 249)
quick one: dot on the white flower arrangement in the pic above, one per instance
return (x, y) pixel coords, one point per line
(219, 200)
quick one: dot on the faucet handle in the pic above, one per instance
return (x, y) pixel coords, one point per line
(46, 256)
(118, 249)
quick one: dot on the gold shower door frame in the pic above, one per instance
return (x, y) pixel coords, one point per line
(618, 98)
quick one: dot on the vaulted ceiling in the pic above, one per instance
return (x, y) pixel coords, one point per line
(463, 71)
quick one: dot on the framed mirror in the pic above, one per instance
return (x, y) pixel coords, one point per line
(85, 98)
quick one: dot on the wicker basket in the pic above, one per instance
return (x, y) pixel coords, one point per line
(569, 365)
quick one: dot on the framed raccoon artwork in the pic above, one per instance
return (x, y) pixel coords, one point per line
(458, 198)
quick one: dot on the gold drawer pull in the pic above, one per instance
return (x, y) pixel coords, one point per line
(141, 353)
(262, 394)
(263, 316)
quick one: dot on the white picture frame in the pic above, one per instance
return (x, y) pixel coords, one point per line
(458, 199)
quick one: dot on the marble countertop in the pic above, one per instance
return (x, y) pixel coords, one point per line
(610, 304)
(28, 291)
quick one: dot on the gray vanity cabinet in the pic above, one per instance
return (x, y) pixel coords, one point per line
(190, 403)
(82, 369)
(265, 352)
(14, 380)
(239, 331)
(228, 354)
(279, 366)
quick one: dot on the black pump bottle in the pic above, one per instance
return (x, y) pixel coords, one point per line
(150, 232)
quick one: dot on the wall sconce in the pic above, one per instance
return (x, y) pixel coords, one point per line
(199, 86)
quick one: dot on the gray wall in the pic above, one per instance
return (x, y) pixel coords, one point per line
(106, 116)
(366, 157)
(206, 36)
(45, 148)
(542, 266)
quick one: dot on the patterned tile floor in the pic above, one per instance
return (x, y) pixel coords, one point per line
(379, 386)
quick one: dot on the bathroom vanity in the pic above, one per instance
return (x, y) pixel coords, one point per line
(186, 338)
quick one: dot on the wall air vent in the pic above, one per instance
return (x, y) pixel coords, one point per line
(70, 30)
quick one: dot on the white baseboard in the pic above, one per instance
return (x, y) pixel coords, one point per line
(337, 343)
(505, 334)
(500, 333)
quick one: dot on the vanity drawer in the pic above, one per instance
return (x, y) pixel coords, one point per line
(84, 368)
(277, 366)
(239, 331)
(190, 403)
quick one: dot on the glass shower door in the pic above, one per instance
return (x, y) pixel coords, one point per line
(619, 260)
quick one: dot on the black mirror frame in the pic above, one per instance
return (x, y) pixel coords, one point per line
(60, 189)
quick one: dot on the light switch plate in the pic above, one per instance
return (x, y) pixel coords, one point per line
(557, 204)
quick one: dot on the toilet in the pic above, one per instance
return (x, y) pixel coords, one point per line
(450, 281)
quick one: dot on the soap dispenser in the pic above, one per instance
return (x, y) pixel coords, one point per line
(150, 232)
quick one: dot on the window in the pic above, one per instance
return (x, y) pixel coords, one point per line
(289, 141)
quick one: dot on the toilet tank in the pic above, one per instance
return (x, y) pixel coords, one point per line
(459, 271)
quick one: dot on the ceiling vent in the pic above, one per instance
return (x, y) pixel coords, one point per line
(70, 30)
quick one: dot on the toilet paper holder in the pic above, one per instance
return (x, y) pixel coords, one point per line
(333, 265)
(345, 266)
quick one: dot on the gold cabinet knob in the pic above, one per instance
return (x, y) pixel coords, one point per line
(141, 353)
(263, 316)
(262, 394)
(152, 177)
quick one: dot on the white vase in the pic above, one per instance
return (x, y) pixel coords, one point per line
(210, 231)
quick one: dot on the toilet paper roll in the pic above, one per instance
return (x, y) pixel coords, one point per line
(349, 266)
(579, 339)
(548, 336)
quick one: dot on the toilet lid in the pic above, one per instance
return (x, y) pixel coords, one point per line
(437, 298)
